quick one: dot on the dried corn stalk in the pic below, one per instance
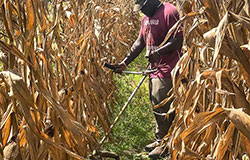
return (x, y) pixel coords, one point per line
(211, 92)
(53, 86)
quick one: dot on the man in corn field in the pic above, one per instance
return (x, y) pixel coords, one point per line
(159, 18)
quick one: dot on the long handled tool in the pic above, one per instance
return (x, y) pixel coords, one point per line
(145, 73)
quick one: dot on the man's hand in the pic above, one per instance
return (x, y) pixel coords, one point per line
(153, 57)
(119, 67)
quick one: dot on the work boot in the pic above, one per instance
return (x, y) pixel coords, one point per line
(151, 146)
(158, 152)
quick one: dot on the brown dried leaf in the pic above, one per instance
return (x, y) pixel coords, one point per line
(240, 119)
(220, 33)
(30, 15)
(201, 122)
(6, 115)
(6, 130)
(10, 151)
(224, 143)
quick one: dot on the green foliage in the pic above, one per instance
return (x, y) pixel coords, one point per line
(135, 129)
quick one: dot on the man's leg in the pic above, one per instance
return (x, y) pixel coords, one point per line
(160, 88)
(158, 91)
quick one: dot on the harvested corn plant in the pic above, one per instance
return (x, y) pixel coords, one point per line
(211, 93)
(54, 92)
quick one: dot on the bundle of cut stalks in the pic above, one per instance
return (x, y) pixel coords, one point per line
(211, 92)
(54, 92)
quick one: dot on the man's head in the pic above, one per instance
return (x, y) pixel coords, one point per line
(148, 7)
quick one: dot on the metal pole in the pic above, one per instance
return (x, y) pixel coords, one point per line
(133, 72)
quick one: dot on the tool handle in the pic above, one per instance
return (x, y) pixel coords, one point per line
(109, 66)
(122, 111)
